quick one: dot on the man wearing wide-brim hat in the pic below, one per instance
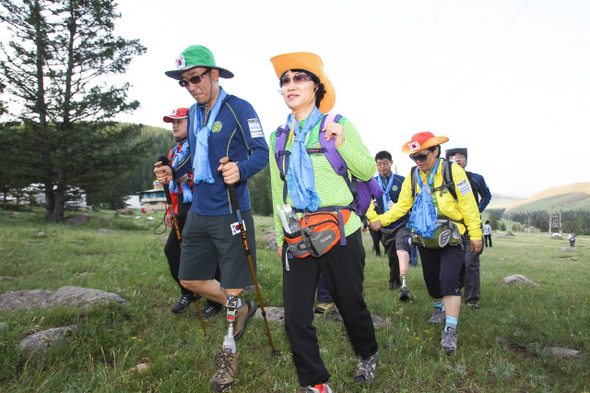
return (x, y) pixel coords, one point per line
(219, 126)
(441, 213)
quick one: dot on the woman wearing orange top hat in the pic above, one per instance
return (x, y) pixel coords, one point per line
(307, 182)
(443, 209)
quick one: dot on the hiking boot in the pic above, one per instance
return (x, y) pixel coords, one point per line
(449, 341)
(473, 304)
(438, 316)
(333, 315)
(320, 388)
(227, 369)
(210, 309)
(243, 313)
(322, 308)
(404, 294)
(183, 304)
(365, 369)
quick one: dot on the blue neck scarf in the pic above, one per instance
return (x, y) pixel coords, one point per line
(423, 216)
(385, 197)
(181, 155)
(201, 166)
(300, 176)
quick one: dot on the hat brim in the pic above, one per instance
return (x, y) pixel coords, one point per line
(177, 74)
(457, 150)
(170, 119)
(437, 140)
(309, 62)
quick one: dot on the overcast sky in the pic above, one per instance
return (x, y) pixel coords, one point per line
(509, 79)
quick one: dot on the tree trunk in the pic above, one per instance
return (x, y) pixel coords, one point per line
(57, 215)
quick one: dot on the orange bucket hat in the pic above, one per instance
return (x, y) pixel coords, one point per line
(422, 141)
(309, 62)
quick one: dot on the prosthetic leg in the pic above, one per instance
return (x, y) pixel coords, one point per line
(404, 261)
(231, 306)
(227, 359)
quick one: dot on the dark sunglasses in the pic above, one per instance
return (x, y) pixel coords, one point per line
(194, 80)
(297, 78)
(420, 157)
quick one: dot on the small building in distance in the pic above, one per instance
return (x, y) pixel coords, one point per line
(154, 199)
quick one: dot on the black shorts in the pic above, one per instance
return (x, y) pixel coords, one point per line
(211, 240)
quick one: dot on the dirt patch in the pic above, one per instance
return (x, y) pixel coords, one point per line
(522, 351)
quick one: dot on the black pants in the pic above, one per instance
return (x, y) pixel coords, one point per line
(172, 248)
(343, 271)
(376, 236)
(442, 270)
(488, 238)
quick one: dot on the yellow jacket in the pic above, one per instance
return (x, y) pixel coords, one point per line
(463, 210)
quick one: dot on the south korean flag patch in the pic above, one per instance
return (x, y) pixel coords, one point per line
(235, 228)
(180, 62)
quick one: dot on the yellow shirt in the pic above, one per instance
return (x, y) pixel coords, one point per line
(464, 209)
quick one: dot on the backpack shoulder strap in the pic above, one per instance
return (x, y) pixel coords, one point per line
(448, 182)
(280, 152)
(329, 148)
(282, 156)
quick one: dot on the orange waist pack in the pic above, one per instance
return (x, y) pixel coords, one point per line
(320, 232)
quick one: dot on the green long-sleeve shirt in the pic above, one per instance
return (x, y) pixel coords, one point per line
(331, 188)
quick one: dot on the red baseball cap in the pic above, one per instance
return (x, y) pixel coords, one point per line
(179, 113)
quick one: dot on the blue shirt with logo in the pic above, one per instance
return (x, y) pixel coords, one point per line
(237, 134)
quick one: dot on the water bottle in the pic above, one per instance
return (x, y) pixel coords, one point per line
(292, 221)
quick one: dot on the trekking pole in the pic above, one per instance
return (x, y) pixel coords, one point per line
(236, 205)
(179, 237)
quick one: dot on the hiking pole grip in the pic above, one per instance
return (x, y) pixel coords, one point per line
(166, 188)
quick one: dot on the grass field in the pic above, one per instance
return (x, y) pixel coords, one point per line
(503, 347)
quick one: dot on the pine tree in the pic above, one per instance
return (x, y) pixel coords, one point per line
(56, 66)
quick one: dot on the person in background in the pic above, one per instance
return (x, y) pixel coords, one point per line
(396, 236)
(487, 234)
(482, 197)
(572, 238)
(181, 194)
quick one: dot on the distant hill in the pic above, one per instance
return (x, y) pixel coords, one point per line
(571, 197)
(502, 201)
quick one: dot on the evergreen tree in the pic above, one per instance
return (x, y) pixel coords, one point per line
(56, 64)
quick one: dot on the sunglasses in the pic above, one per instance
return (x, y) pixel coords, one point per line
(420, 157)
(297, 79)
(194, 80)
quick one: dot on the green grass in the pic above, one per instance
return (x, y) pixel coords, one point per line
(502, 346)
